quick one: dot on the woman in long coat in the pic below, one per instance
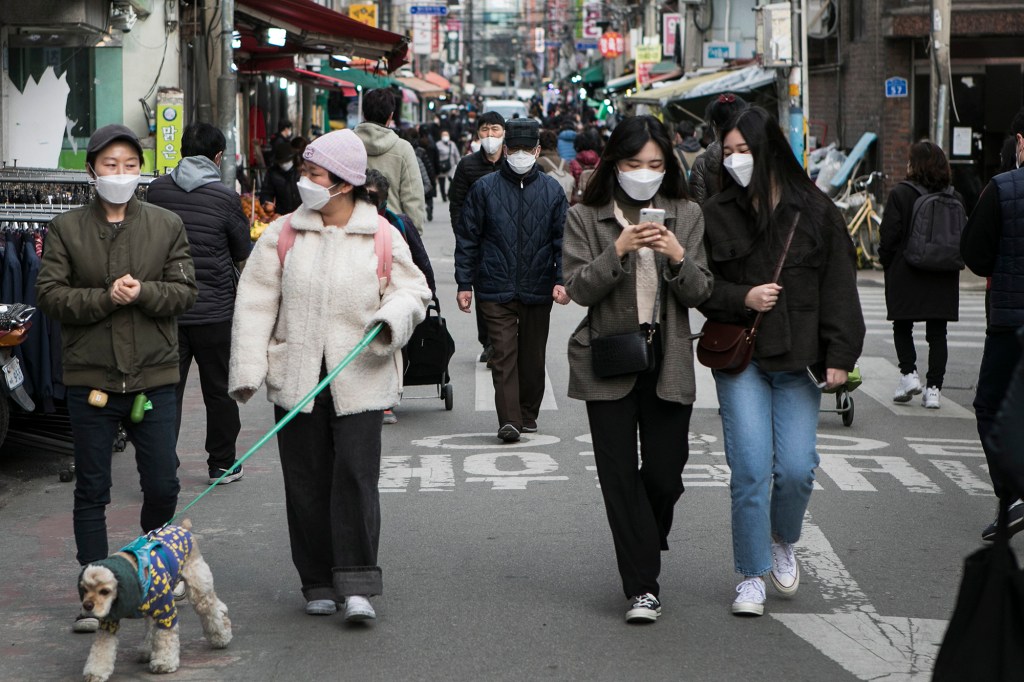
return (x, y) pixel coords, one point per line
(915, 295)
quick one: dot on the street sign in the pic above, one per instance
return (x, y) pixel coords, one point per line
(583, 45)
(428, 9)
(896, 87)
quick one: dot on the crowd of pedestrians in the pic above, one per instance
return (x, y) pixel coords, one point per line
(636, 224)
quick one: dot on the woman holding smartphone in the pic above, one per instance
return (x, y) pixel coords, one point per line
(812, 318)
(633, 254)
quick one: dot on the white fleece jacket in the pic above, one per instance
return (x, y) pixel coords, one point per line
(319, 306)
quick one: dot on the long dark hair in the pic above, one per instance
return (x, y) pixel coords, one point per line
(628, 138)
(774, 163)
(929, 166)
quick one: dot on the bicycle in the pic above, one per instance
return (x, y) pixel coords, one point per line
(865, 222)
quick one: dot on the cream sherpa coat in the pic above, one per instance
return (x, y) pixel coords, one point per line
(320, 305)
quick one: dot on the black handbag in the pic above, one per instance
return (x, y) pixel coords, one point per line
(631, 353)
(985, 638)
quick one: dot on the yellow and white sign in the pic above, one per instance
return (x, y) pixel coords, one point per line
(170, 126)
(364, 14)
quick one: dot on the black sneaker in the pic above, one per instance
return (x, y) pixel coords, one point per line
(1015, 521)
(234, 475)
(85, 624)
(529, 427)
(485, 354)
(646, 609)
(508, 433)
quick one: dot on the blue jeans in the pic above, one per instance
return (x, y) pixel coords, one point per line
(154, 440)
(770, 422)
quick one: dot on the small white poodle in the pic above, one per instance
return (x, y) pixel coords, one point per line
(137, 582)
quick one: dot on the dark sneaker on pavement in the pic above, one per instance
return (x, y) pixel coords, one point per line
(1015, 522)
(529, 427)
(485, 354)
(646, 609)
(508, 433)
(85, 623)
(234, 475)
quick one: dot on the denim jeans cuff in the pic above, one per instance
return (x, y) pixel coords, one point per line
(358, 580)
(318, 591)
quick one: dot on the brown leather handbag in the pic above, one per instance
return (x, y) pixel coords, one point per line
(730, 347)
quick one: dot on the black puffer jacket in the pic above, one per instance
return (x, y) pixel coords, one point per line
(471, 168)
(281, 187)
(706, 174)
(508, 243)
(218, 234)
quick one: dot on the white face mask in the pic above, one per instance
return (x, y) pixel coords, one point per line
(740, 167)
(475, 146)
(314, 196)
(641, 184)
(521, 162)
(445, 138)
(286, 166)
(492, 144)
(116, 189)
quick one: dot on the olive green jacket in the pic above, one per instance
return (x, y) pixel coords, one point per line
(107, 346)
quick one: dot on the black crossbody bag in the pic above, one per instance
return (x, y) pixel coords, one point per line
(632, 353)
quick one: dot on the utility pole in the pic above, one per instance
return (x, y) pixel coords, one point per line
(940, 72)
(227, 86)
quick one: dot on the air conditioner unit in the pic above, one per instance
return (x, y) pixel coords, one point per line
(773, 34)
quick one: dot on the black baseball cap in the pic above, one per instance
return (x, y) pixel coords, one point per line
(522, 132)
(115, 132)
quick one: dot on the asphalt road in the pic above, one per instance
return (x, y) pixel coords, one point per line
(498, 563)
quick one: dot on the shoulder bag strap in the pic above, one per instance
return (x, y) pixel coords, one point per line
(778, 266)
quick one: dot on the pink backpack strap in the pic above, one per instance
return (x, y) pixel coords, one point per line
(285, 239)
(382, 247)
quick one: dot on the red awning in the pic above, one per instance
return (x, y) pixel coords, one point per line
(285, 66)
(314, 28)
(438, 80)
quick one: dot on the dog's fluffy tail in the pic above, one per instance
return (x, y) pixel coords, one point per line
(186, 524)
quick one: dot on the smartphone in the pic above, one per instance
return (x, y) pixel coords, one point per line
(652, 215)
(817, 374)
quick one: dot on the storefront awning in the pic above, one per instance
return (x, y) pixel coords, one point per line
(727, 80)
(438, 80)
(420, 87)
(592, 74)
(314, 28)
(285, 66)
(363, 79)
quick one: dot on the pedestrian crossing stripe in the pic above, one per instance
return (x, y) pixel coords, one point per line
(484, 400)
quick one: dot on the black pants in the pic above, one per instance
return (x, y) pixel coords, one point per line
(210, 345)
(331, 468)
(93, 429)
(441, 178)
(998, 360)
(906, 354)
(640, 502)
(519, 336)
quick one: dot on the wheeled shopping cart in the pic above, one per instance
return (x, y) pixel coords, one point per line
(427, 355)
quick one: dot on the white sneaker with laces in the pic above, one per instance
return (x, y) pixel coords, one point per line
(930, 399)
(785, 572)
(909, 386)
(358, 608)
(750, 598)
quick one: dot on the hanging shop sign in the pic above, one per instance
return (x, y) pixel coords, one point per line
(611, 45)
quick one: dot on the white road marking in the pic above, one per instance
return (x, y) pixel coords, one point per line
(536, 467)
(485, 391)
(854, 635)
(960, 473)
(881, 376)
(846, 470)
(435, 473)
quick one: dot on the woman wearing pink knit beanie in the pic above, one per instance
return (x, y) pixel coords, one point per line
(307, 296)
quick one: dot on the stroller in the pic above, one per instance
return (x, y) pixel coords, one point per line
(426, 356)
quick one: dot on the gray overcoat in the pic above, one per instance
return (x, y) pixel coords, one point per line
(597, 278)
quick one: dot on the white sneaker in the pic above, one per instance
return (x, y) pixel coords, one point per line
(646, 609)
(320, 607)
(358, 608)
(750, 599)
(785, 573)
(930, 399)
(908, 387)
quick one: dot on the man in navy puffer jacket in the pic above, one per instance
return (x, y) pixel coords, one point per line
(508, 247)
(218, 236)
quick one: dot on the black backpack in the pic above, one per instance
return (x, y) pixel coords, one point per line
(936, 224)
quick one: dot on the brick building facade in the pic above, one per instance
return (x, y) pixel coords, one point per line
(874, 40)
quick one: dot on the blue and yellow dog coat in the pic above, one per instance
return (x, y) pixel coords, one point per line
(148, 589)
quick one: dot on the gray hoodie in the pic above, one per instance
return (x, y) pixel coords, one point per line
(395, 158)
(195, 171)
